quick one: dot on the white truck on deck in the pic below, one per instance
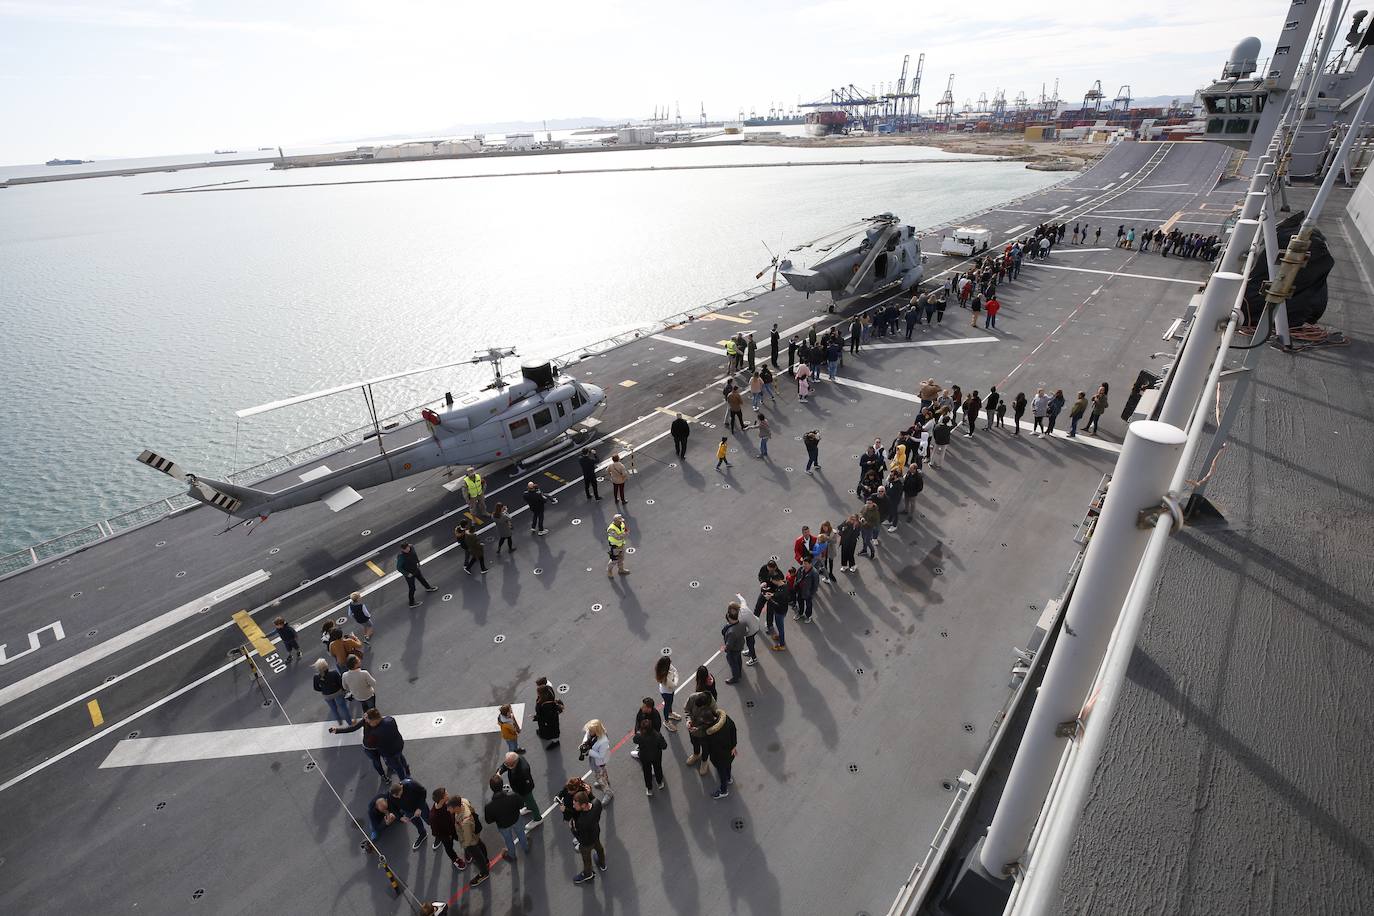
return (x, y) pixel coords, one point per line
(965, 240)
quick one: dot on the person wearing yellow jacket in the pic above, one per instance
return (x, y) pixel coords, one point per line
(617, 538)
(475, 488)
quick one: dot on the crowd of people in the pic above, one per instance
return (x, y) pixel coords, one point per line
(889, 479)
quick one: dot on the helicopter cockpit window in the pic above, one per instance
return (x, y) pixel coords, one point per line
(520, 427)
(578, 400)
(561, 410)
(542, 418)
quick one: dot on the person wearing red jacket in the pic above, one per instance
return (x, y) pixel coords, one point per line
(990, 312)
(801, 547)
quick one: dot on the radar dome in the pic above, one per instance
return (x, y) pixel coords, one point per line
(1243, 60)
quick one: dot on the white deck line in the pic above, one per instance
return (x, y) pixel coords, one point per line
(1015, 229)
(929, 343)
(1113, 273)
(54, 673)
(284, 739)
(877, 389)
(714, 351)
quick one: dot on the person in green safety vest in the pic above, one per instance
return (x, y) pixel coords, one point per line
(617, 534)
(732, 354)
(475, 488)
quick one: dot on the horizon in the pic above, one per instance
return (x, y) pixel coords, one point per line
(147, 76)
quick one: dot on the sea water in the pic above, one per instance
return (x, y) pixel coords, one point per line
(136, 321)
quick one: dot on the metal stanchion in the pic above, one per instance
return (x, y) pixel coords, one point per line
(1139, 485)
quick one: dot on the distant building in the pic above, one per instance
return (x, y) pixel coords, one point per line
(635, 136)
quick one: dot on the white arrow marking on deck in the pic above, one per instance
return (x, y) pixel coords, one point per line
(128, 638)
(1015, 229)
(283, 739)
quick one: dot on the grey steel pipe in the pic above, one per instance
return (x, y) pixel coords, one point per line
(1200, 347)
(1139, 484)
(1242, 236)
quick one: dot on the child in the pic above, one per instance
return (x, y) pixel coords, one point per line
(1001, 413)
(289, 642)
(362, 615)
(721, 451)
(510, 729)
(803, 387)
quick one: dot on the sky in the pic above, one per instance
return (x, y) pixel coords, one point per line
(111, 78)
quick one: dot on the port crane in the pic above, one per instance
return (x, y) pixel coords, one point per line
(944, 109)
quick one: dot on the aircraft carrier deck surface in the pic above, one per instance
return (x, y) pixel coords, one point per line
(1237, 775)
(847, 743)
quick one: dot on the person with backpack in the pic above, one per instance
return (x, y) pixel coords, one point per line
(469, 829)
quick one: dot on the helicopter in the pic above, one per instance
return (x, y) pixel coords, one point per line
(887, 260)
(504, 422)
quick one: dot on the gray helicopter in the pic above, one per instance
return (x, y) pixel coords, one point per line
(503, 423)
(887, 260)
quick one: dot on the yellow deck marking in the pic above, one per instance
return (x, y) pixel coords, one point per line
(261, 644)
(628, 383)
(1169, 223)
(97, 717)
(671, 413)
(472, 518)
(552, 476)
(376, 569)
(721, 316)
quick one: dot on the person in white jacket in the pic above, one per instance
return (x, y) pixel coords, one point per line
(597, 746)
(360, 684)
(666, 677)
(1040, 407)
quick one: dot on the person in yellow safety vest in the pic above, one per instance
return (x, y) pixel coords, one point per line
(616, 534)
(732, 354)
(476, 489)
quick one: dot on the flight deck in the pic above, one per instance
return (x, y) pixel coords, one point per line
(849, 743)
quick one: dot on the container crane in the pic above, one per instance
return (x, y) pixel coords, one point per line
(1092, 99)
(1122, 103)
(944, 109)
(999, 105)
